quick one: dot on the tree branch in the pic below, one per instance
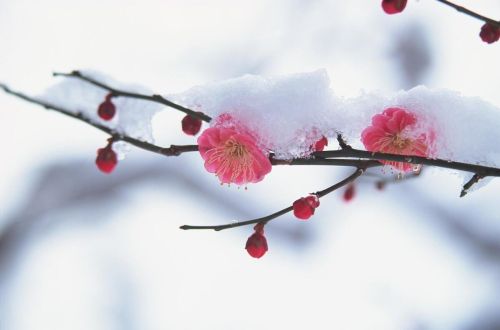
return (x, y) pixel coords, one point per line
(173, 150)
(266, 219)
(116, 92)
(355, 153)
(471, 13)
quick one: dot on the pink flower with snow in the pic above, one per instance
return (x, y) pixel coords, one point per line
(233, 156)
(394, 132)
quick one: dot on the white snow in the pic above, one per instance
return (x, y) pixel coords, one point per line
(290, 113)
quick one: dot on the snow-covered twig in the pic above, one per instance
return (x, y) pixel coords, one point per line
(471, 13)
(266, 219)
(173, 150)
(153, 98)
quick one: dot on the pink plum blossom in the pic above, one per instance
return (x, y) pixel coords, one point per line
(394, 132)
(233, 156)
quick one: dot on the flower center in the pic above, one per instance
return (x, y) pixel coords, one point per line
(234, 149)
(400, 143)
(234, 160)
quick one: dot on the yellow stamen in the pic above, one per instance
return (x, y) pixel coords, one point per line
(399, 142)
(234, 157)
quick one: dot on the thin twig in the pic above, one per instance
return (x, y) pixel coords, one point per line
(173, 150)
(475, 179)
(342, 142)
(117, 92)
(266, 219)
(471, 13)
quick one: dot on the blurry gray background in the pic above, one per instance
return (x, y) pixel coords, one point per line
(82, 250)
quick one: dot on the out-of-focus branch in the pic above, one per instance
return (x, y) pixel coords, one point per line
(117, 92)
(266, 219)
(470, 13)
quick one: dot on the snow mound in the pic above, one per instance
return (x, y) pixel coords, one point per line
(288, 113)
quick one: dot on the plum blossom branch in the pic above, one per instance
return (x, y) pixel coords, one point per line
(470, 13)
(364, 159)
(266, 219)
(320, 158)
(117, 92)
(173, 150)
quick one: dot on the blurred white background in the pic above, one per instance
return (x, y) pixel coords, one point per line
(81, 250)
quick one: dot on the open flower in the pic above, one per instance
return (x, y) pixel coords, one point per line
(394, 132)
(233, 156)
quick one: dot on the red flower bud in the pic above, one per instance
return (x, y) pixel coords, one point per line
(489, 33)
(257, 244)
(320, 144)
(106, 159)
(303, 208)
(191, 125)
(393, 6)
(349, 193)
(107, 109)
